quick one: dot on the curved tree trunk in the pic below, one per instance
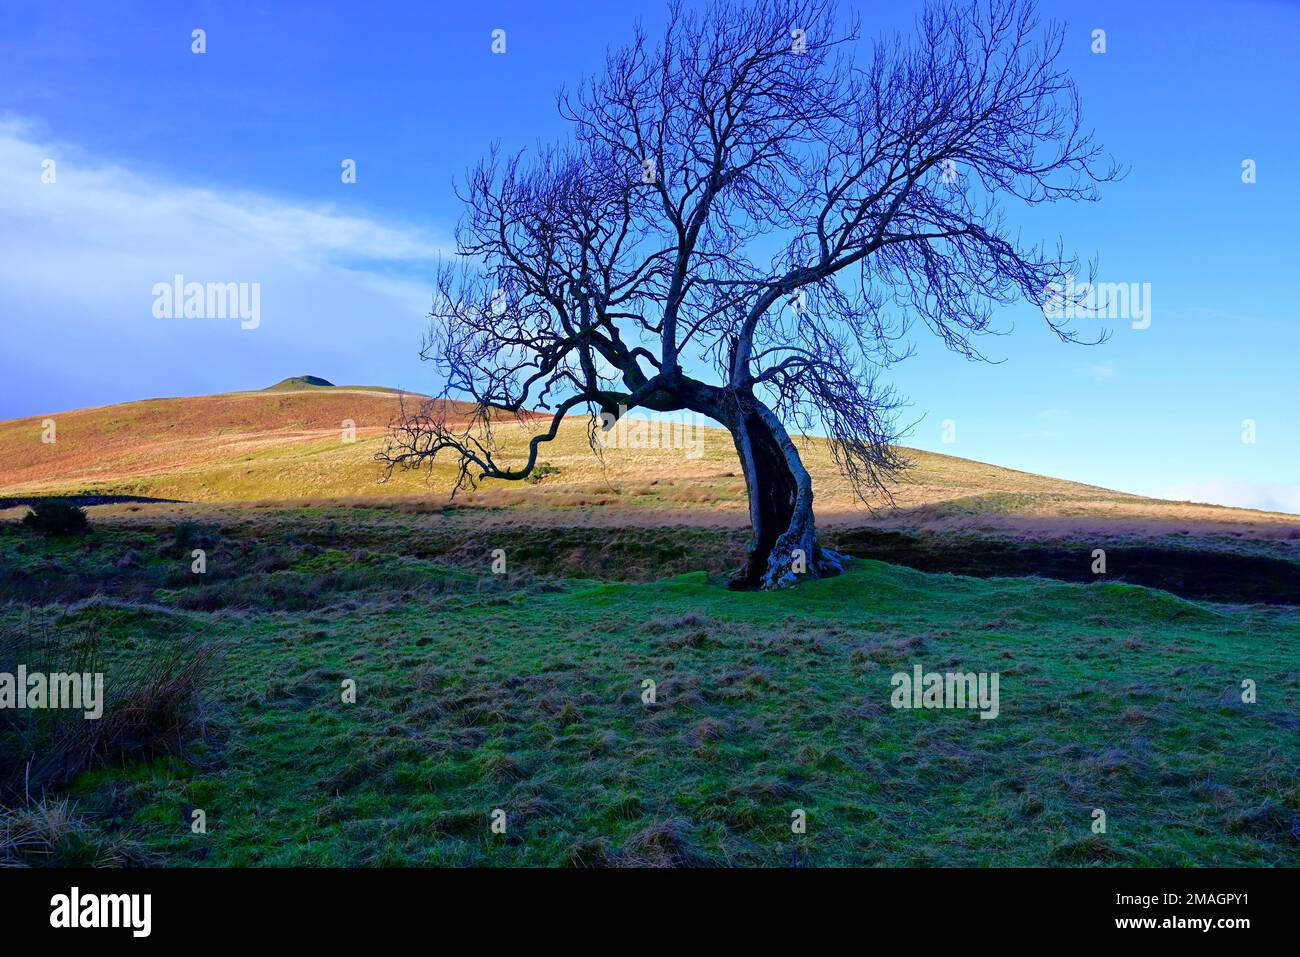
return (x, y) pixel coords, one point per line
(784, 547)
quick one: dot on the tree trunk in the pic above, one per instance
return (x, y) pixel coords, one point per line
(784, 548)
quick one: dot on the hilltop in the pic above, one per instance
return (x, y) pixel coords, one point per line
(296, 382)
(300, 383)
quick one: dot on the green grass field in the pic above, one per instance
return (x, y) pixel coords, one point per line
(523, 692)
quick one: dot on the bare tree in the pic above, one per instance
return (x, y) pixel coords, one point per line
(747, 218)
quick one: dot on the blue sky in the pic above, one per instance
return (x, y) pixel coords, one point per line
(226, 166)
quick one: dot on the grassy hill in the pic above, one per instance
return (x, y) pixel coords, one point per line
(287, 444)
(237, 446)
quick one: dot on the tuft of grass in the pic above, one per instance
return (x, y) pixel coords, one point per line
(150, 703)
(51, 833)
(659, 844)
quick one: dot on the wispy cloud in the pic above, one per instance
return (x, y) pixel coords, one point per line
(1265, 496)
(1101, 373)
(80, 256)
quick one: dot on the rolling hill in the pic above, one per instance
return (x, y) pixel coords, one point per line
(291, 443)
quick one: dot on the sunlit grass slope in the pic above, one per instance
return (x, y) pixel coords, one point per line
(292, 444)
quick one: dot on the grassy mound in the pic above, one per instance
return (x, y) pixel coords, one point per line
(299, 382)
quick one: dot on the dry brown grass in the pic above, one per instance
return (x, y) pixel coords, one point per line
(276, 449)
(51, 833)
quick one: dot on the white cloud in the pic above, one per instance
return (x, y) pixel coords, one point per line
(1265, 496)
(342, 294)
(1101, 374)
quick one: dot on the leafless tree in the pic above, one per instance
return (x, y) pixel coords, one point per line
(747, 219)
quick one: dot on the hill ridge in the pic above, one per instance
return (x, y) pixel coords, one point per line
(318, 443)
